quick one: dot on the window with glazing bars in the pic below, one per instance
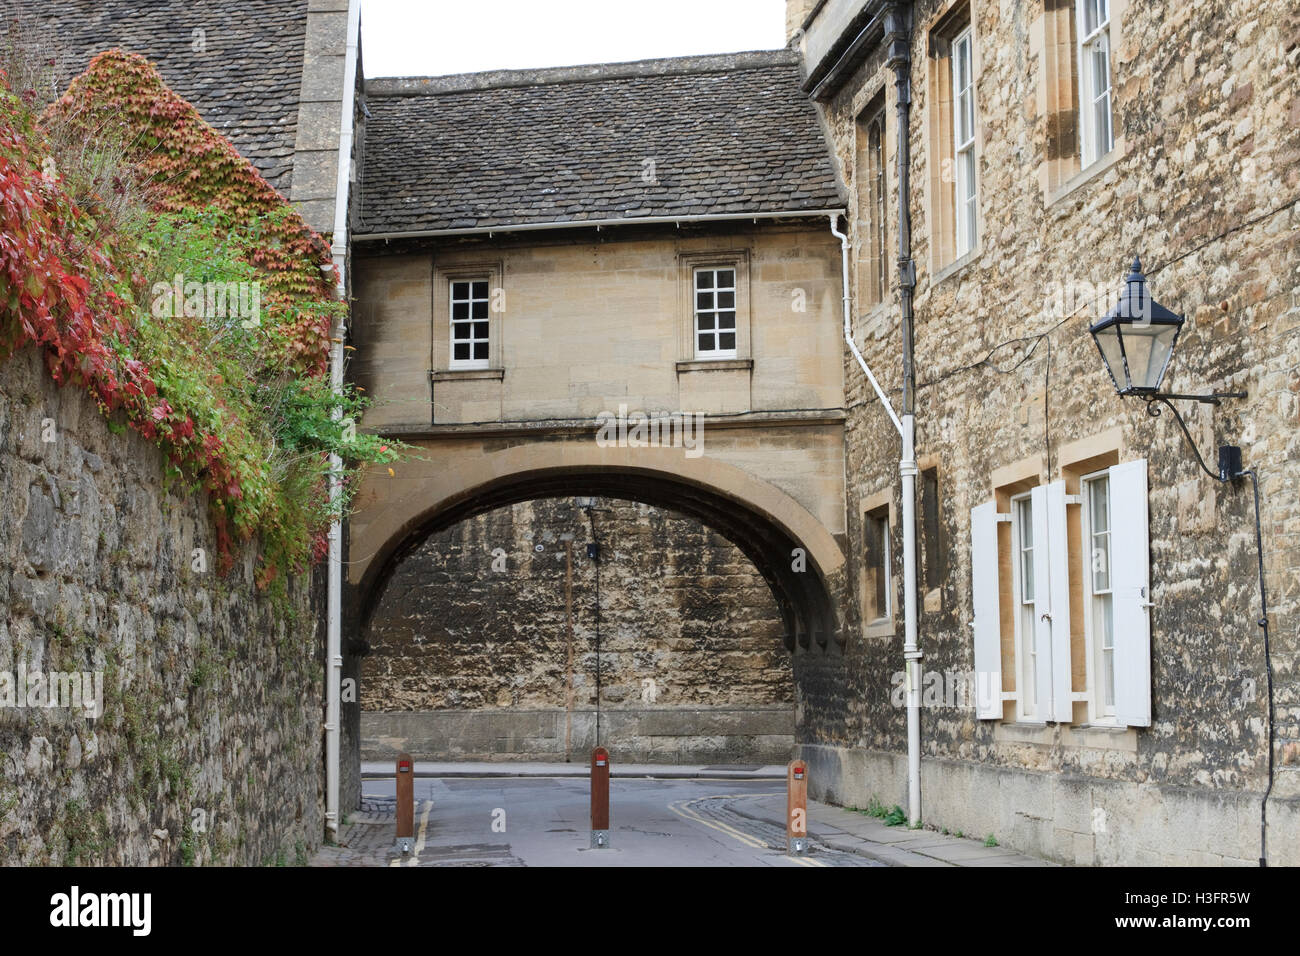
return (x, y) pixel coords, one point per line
(469, 323)
(715, 313)
(963, 153)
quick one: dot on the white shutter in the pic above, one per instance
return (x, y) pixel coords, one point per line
(1058, 595)
(1042, 603)
(1130, 563)
(988, 618)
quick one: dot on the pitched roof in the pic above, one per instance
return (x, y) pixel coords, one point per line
(678, 137)
(239, 64)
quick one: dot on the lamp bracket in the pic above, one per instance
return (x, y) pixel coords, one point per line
(1227, 470)
(1214, 398)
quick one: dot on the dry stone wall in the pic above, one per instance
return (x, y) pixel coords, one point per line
(206, 744)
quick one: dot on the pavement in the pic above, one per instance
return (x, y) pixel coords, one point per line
(519, 814)
(854, 831)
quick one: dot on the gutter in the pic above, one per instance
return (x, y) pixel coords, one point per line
(597, 223)
(334, 599)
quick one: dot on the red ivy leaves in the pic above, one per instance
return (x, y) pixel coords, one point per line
(190, 166)
(58, 294)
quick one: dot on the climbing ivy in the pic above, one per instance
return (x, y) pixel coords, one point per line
(114, 203)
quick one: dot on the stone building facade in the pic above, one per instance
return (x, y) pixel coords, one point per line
(473, 643)
(1048, 145)
(514, 286)
(1044, 145)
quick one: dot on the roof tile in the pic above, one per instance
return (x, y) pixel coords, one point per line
(690, 136)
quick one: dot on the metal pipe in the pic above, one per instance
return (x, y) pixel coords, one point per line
(848, 325)
(1268, 670)
(907, 470)
(597, 223)
(334, 586)
(898, 39)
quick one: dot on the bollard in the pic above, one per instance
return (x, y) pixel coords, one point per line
(405, 803)
(599, 798)
(796, 808)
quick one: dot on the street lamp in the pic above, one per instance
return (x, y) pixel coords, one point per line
(1136, 340)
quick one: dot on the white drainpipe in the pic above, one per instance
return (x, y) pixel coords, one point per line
(334, 599)
(907, 469)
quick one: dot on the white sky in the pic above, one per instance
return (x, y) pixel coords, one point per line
(434, 37)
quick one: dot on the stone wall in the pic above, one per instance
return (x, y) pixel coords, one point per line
(469, 655)
(208, 746)
(1203, 185)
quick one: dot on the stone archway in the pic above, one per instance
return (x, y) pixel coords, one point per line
(799, 558)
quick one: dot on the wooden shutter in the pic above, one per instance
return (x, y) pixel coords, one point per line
(1130, 562)
(988, 619)
(1042, 603)
(1058, 595)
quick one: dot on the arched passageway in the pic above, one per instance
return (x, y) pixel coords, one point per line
(800, 560)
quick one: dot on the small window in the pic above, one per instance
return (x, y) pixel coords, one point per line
(877, 563)
(1099, 601)
(715, 313)
(871, 203)
(1023, 590)
(965, 200)
(469, 323)
(936, 567)
(1093, 26)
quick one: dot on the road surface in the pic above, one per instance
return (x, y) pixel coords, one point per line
(545, 821)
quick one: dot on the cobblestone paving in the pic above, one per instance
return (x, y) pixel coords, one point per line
(366, 839)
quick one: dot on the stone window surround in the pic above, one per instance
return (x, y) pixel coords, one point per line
(931, 600)
(687, 263)
(871, 505)
(1052, 41)
(875, 319)
(455, 269)
(937, 120)
(872, 227)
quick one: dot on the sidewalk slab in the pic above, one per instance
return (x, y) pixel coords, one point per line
(851, 831)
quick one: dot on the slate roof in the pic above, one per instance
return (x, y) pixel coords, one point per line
(714, 135)
(244, 81)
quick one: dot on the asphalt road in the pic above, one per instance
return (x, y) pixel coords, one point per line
(545, 821)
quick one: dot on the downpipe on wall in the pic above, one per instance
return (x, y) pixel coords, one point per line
(899, 38)
(907, 470)
(334, 586)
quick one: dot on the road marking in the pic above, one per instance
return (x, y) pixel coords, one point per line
(683, 809)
